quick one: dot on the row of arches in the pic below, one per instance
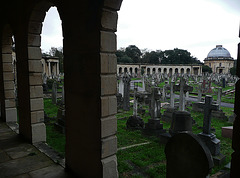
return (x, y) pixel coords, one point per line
(148, 71)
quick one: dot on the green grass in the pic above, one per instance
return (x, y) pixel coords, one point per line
(146, 160)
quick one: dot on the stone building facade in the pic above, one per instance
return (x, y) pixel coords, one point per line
(136, 69)
(50, 66)
(89, 48)
(220, 60)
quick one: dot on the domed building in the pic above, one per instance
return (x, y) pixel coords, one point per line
(220, 60)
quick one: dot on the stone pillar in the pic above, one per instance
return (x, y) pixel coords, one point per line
(91, 105)
(49, 70)
(30, 91)
(235, 166)
(57, 68)
(8, 79)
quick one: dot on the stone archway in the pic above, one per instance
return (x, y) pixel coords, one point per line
(182, 70)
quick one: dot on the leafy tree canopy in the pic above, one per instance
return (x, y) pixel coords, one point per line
(132, 54)
(206, 68)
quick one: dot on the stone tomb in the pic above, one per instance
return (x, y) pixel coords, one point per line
(187, 156)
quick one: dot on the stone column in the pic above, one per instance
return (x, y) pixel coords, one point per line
(90, 60)
(49, 70)
(57, 68)
(8, 79)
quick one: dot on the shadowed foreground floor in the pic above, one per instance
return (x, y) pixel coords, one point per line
(21, 159)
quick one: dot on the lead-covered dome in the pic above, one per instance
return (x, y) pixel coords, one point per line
(219, 52)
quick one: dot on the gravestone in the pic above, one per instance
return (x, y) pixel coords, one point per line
(121, 86)
(126, 92)
(187, 157)
(135, 121)
(183, 88)
(54, 92)
(206, 136)
(154, 126)
(60, 124)
(181, 121)
(223, 82)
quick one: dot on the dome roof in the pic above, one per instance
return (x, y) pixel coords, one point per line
(219, 51)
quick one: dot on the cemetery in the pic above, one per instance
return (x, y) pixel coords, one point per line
(99, 120)
(153, 109)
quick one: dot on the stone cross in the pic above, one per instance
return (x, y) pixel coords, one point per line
(208, 107)
(154, 103)
(183, 88)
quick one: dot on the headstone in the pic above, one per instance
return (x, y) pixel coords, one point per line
(207, 137)
(126, 95)
(60, 124)
(135, 121)
(182, 121)
(63, 95)
(183, 88)
(54, 92)
(223, 82)
(187, 157)
(121, 86)
(154, 126)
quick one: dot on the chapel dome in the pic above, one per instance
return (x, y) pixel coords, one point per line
(219, 52)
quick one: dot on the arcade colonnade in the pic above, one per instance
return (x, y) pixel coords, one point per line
(136, 69)
(89, 46)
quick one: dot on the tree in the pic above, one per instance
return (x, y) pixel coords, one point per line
(152, 57)
(206, 68)
(233, 71)
(134, 53)
(122, 56)
(178, 56)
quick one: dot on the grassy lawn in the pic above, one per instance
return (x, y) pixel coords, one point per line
(147, 160)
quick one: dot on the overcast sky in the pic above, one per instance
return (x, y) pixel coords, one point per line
(195, 25)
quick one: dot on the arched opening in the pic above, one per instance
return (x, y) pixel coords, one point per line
(165, 70)
(131, 71)
(125, 70)
(136, 71)
(153, 70)
(148, 71)
(188, 71)
(176, 71)
(182, 70)
(170, 71)
(120, 70)
(159, 70)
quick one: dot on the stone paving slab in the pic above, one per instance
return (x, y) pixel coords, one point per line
(21, 151)
(49, 172)
(23, 165)
(19, 159)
